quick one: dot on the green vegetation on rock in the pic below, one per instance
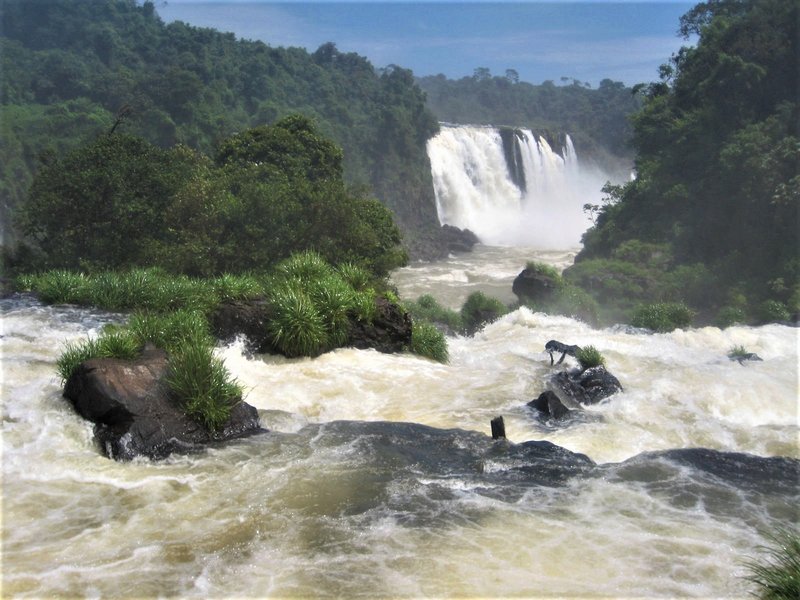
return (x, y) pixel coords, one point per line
(776, 575)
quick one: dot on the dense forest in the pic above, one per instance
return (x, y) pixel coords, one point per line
(712, 216)
(73, 70)
(598, 120)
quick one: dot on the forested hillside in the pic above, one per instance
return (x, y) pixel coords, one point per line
(712, 217)
(598, 120)
(70, 69)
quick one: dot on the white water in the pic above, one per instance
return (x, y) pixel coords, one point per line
(475, 191)
(317, 512)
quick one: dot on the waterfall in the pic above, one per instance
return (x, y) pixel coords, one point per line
(510, 187)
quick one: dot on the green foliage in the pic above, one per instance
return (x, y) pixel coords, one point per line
(773, 311)
(357, 277)
(202, 383)
(480, 309)
(429, 342)
(306, 265)
(777, 574)
(589, 357)
(229, 288)
(540, 268)
(662, 317)
(427, 308)
(575, 302)
(69, 67)
(738, 352)
(59, 287)
(297, 327)
(717, 152)
(170, 331)
(730, 315)
(110, 344)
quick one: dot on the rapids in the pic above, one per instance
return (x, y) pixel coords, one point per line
(346, 498)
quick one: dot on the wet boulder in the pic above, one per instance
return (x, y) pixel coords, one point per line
(458, 240)
(585, 387)
(134, 415)
(549, 405)
(388, 332)
(531, 284)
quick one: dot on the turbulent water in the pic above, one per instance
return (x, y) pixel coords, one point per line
(510, 187)
(346, 497)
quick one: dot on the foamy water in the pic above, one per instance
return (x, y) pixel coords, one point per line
(324, 508)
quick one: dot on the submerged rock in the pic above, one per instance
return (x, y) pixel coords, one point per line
(244, 318)
(134, 415)
(549, 404)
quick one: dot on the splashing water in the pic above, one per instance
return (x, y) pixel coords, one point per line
(344, 498)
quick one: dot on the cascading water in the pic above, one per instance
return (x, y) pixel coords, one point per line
(510, 187)
(376, 507)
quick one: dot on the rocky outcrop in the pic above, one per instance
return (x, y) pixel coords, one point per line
(134, 415)
(435, 243)
(589, 386)
(458, 240)
(533, 285)
(550, 405)
(389, 331)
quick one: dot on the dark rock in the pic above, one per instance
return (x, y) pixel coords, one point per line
(741, 358)
(243, 318)
(531, 285)
(585, 387)
(134, 414)
(389, 331)
(458, 240)
(549, 404)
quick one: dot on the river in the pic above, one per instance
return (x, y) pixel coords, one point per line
(345, 498)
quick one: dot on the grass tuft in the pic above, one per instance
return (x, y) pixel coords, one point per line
(297, 327)
(479, 310)
(589, 357)
(429, 342)
(662, 317)
(777, 574)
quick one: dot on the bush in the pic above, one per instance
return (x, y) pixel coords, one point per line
(480, 309)
(170, 331)
(589, 357)
(662, 317)
(333, 298)
(429, 342)
(574, 302)
(229, 288)
(59, 287)
(306, 265)
(777, 576)
(357, 277)
(730, 315)
(544, 269)
(427, 308)
(772, 311)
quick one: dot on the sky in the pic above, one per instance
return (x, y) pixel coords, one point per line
(589, 41)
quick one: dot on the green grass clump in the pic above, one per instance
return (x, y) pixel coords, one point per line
(202, 384)
(427, 308)
(60, 287)
(544, 269)
(777, 575)
(297, 328)
(112, 343)
(480, 309)
(357, 277)
(170, 331)
(429, 342)
(333, 298)
(230, 288)
(662, 317)
(589, 357)
(305, 266)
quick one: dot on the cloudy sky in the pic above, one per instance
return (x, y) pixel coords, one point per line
(589, 41)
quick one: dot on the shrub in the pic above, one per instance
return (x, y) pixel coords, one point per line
(363, 306)
(229, 288)
(544, 269)
(574, 302)
(333, 298)
(777, 576)
(429, 342)
(662, 317)
(169, 331)
(480, 309)
(297, 328)
(730, 315)
(60, 287)
(589, 357)
(772, 311)
(201, 383)
(427, 308)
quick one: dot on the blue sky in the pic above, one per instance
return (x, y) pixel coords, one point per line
(589, 41)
